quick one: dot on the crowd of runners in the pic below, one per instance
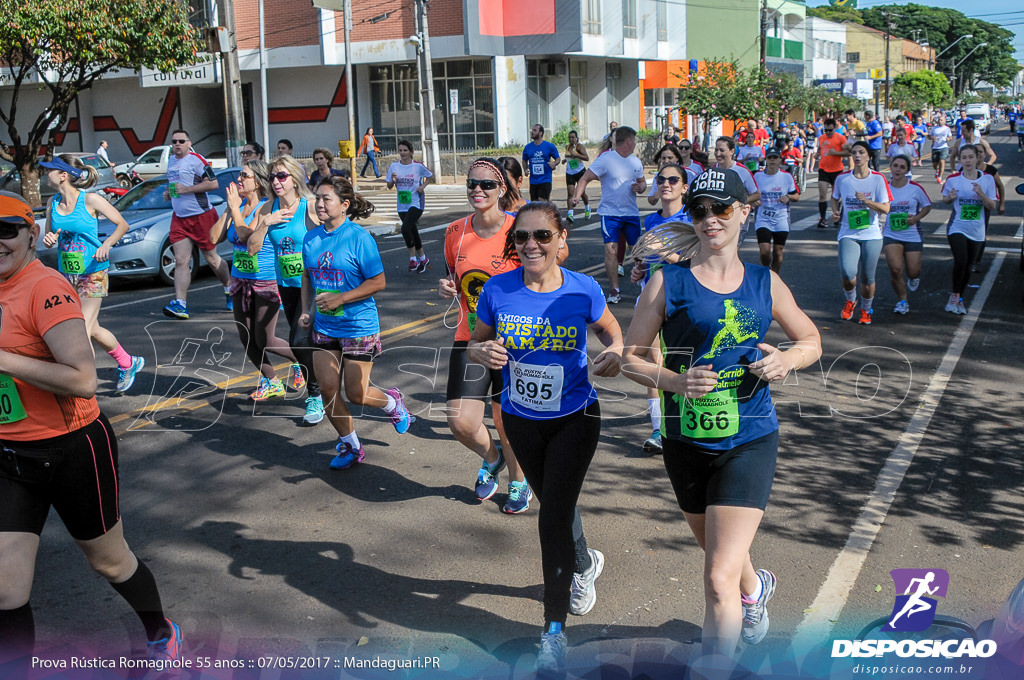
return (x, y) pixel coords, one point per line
(520, 342)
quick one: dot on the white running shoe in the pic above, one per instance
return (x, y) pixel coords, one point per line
(951, 303)
(912, 284)
(755, 614)
(902, 307)
(584, 594)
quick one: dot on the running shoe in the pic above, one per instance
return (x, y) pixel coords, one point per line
(551, 658)
(176, 309)
(400, 417)
(960, 308)
(296, 381)
(126, 376)
(848, 309)
(422, 266)
(414, 264)
(865, 317)
(519, 495)
(902, 307)
(822, 224)
(621, 272)
(755, 613)
(570, 217)
(487, 477)
(584, 594)
(230, 304)
(268, 389)
(912, 284)
(653, 443)
(586, 213)
(614, 297)
(168, 648)
(347, 456)
(314, 410)
(951, 303)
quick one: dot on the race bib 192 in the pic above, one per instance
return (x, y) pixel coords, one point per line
(290, 265)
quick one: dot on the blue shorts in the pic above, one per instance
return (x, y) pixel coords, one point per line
(612, 224)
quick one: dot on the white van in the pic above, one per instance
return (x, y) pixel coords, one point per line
(982, 115)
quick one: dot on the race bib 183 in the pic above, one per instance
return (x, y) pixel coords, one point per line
(72, 262)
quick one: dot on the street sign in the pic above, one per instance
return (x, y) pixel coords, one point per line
(453, 101)
(204, 73)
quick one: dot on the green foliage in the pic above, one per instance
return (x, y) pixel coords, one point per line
(922, 89)
(836, 14)
(560, 137)
(68, 44)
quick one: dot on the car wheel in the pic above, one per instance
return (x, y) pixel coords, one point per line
(166, 270)
(124, 181)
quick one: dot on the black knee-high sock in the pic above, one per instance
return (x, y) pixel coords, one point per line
(822, 207)
(17, 633)
(141, 593)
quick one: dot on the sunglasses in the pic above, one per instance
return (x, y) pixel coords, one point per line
(673, 180)
(281, 176)
(245, 175)
(179, 141)
(830, 129)
(9, 230)
(684, 148)
(247, 152)
(485, 184)
(723, 210)
(542, 236)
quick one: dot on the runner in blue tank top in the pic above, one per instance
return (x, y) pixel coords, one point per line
(342, 270)
(532, 324)
(285, 220)
(72, 224)
(720, 432)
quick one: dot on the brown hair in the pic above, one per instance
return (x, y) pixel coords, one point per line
(358, 207)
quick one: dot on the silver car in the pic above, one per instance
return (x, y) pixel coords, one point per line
(10, 178)
(146, 249)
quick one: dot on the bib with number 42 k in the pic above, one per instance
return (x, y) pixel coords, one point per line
(713, 416)
(970, 213)
(858, 219)
(72, 262)
(246, 263)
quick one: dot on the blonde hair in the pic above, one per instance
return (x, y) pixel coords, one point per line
(295, 169)
(86, 180)
(668, 238)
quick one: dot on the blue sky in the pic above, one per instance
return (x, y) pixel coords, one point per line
(1009, 15)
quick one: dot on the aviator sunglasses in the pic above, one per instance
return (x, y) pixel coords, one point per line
(723, 210)
(542, 236)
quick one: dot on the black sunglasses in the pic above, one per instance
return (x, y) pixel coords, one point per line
(723, 210)
(179, 141)
(683, 148)
(247, 152)
(281, 176)
(673, 180)
(485, 184)
(542, 236)
(9, 230)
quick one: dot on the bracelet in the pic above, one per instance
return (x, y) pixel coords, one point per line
(803, 357)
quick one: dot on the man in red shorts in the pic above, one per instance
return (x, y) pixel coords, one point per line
(190, 177)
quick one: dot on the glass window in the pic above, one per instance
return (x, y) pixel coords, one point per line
(628, 18)
(578, 92)
(662, 20)
(591, 16)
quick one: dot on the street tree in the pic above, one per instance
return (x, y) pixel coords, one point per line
(63, 47)
(922, 89)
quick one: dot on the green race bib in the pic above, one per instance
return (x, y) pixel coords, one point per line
(11, 408)
(970, 213)
(573, 164)
(898, 221)
(290, 265)
(340, 311)
(471, 320)
(246, 263)
(713, 416)
(858, 219)
(72, 263)
(752, 166)
(404, 198)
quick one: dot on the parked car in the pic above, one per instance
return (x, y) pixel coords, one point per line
(153, 163)
(982, 116)
(146, 249)
(11, 178)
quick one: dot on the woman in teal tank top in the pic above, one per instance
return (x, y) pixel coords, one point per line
(72, 224)
(719, 430)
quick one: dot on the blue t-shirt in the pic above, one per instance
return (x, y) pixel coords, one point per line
(874, 127)
(920, 133)
(287, 239)
(78, 240)
(258, 267)
(536, 157)
(338, 261)
(546, 337)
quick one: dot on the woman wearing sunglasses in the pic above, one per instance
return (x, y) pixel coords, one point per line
(254, 293)
(771, 224)
(59, 450)
(720, 427)
(532, 325)
(72, 224)
(665, 156)
(474, 252)
(901, 239)
(342, 272)
(285, 220)
(858, 198)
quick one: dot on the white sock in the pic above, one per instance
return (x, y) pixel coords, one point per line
(353, 440)
(227, 290)
(654, 406)
(865, 303)
(756, 595)
(851, 295)
(421, 258)
(392, 404)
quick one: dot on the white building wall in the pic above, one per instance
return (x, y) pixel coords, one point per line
(510, 98)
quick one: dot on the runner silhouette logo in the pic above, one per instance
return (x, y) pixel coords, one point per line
(915, 606)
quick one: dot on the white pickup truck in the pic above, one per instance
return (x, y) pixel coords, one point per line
(153, 163)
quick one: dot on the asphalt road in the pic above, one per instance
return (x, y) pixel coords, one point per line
(901, 450)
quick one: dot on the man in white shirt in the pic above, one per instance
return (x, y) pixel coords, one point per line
(102, 152)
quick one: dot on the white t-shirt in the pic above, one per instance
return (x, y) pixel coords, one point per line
(908, 150)
(940, 137)
(968, 210)
(772, 214)
(189, 171)
(102, 153)
(906, 202)
(887, 128)
(748, 180)
(860, 222)
(749, 156)
(407, 178)
(617, 175)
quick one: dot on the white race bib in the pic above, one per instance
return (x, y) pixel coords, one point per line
(538, 167)
(537, 388)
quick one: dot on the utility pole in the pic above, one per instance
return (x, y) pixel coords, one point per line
(888, 27)
(234, 130)
(350, 102)
(764, 35)
(431, 148)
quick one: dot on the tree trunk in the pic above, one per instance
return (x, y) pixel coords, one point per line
(30, 183)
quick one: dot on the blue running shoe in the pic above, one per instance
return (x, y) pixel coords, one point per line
(487, 477)
(168, 648)
(230, 305)
(519, 495)
(347, 456)
(126, 376)
(400, 417)
(176, 309)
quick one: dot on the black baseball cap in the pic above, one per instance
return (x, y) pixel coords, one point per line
(773, 152)
(724, 186)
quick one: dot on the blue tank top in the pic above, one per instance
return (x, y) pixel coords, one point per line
(78, 240)
(704, 327)
(258, 267)
(287, 240)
